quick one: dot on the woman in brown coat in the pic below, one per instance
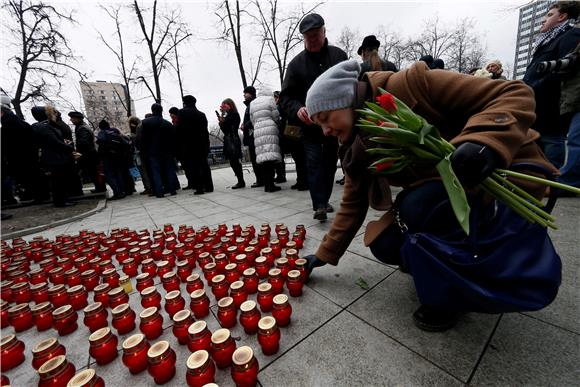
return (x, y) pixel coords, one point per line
(488, 122)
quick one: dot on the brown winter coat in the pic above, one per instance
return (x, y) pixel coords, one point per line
(464, 108)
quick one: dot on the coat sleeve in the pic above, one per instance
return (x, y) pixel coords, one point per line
(289, 93)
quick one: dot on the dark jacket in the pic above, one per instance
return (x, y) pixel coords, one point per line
(54, 152)
(300, 74)
(385, 66)
(547, 86)
(248, 127)
(229, 127)
(18, 143)
(191, 131)
(85, 139)
(112, 144)
(157, 137)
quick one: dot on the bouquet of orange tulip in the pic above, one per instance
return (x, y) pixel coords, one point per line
(404, 138)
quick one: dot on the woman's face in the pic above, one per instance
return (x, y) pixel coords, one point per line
(225, 107)
(337, 123)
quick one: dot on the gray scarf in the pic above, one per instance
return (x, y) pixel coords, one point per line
(545, 38)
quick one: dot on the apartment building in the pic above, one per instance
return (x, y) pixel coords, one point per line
(530, 21)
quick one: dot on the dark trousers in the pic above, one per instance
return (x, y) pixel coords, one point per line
(163, 176)
(89, 165)
(237, 168)
(321, 158)
(114, 175)
(280, 169)
(255, 166)
(268, 172)
(58, 184)
(204, 173)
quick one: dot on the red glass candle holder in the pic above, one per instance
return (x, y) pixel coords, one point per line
(199, 303)
(232, 274)
(298, 241)
(37, 276)
(183, 271)
(103, 346)
(130, 267)
(90, 279)
(170, 281)
(281, 310)
(283, 265)
(73, 277)
(221, 260)
(189, 256)
(117, 296)
(302, 230)
(56, 276)
(150, 297)
(209, 271)
(46, 350)
(219, 286)
(135, 350)
(21, 292)
(251, 280)
(42, 316)
(268, 253)
(268, 335)
(77, 297)
(238, 293)
(245, 367)
(20, 317)
(56, 372)
(4, 320)
(95, 316)
(200, 369)
(167, 255)
(249, 317)
(86, 378)
(82, 264)
(231, 253)
(251, 255)
(301, 267)
(294, 283)
(143, 281)
(161, 359)
(199, 336)
(222, 348)
(58, 295)
(174, 302)
(11, 352)
(276, 280)
(101, 294)
(123, 319)
(5, 292)
(193, 283)
(242, 262)
(111, 277)
(182, 320)
(163, 268)
(265, 297)
(151, 324)
(276, 247)
(149, 266)
(227, 312)
(64, 320)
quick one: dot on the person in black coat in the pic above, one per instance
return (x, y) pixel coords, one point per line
(229, 122)
(113, 148)
(85, 145)
(369, 52)
(321, 151)
(248, 131)
(557, 37)
(193, 145)
(158, 142)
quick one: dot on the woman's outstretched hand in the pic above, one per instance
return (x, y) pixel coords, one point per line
(313, 262)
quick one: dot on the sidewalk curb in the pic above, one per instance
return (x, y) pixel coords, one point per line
(16, 234)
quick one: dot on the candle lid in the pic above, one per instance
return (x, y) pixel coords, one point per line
(265, 287)
(197, 359)
(236, 285)
(291, 251)
(168, 275)
(260, 259)
(280, 299)
(274, 272)
(162, 264)
(197, 327)
(55, 270)
(148, 312)
(267, 250)
(181, 264)
(220, 336)
(44, 344)
(38, 286)
(301, 261)
(101, 287)
(218, 278)
(56, 288)
(204, 255)
(75, 289)
(40, 307)
(89, 272)
(241, 257)
(181, 315)
(142, 276)
(267, 322)
(172, 295)
(249, 272)
(249, 249)
(282, 261)
(146, 261)
(149, 290)
(274, 242)
(116, 291)
(232, 248)
(120, 308)
(7, 340)
(158, 349)
(123, 278)
(109, 272)
(242, 355)
(225, 302)
(128, 261)
(231, 266)
(50, 365)
(19, 307)
(133, 340)
(219, 256)
(92, 307)
(293, 274)
(193, 277)
(99, 334)
(18, 285)
(247, 306)
(209, 266)
(81, 378)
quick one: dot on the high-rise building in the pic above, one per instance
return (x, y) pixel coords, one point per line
(106, 100)
(530, 20)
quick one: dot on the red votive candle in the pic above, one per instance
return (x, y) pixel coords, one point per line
(292, 256)
(12, 352)
(77, 297)
(64, 320)
(150, 297)
(245, 367)
(193, 283)
(209, 271)
(251, 280)
(268, 335)
(301, 267)
(130, 267)
(183, 271)
(174, 302)
(111, 277)
(265, 297)
(249, 317)
(4, 319)
(163, 268)
(20, 317)
(58, 295)
(73, 277)
(143, 281)
(56, 372)
(227, 312)
(276, 247)
(161, 359)
(283, 265)
(123, 319)
(95, 316)
(294, 283)
(149, 266)
(135, 350)
(39, 292)
(242, 262)
(103, 346)
(219, 286)
(46, 350)
(232, 273)
(281, 310)
(21, 292)
(42, 315)
(151, 324)
(170, 281)
(56, 276)
(221, 260)
(276, 280)
(203, 259)
(199, 303)
(117, 296)
(199, 336)
(90, 279)
(200, 369)
(238, 293)
(181, 323)
(222, 347)
(86, 378)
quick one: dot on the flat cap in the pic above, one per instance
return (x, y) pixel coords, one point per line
(311, 22)
(76, 114)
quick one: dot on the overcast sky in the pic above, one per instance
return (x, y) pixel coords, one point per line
(210, 69)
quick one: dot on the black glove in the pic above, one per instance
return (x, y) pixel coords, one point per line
(313, 263)
(472, 163)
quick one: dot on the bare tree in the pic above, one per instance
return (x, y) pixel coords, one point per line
(160, 47)
(349, 40)
(435, 40)
(126, 72)
(465, 51)
(44, 54)
(280, 31)
(393, 47)
(175, 37)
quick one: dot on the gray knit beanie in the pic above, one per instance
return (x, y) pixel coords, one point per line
(334, 89)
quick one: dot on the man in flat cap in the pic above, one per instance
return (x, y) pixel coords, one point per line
(321, 151)
(369, 52)
(85, 145)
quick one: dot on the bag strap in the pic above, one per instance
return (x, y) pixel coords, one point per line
(554, 192)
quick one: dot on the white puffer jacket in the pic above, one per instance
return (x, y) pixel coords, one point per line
(264, 115)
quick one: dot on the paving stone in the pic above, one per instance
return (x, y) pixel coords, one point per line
(528, 352)
(362, 356)
(389, 308)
